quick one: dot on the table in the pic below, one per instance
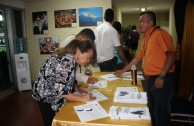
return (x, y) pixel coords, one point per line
(68, 117)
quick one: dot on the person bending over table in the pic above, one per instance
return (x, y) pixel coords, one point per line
(55, 84)
(85, 33)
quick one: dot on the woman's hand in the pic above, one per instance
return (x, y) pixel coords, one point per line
(81, 91)
(88, 97)
(92, 80)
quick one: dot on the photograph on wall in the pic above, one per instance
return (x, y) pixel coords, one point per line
(90, 16)
(65, 18)
(48, 44)
(40, 22)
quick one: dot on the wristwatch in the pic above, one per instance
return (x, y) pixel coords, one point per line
(160, 76)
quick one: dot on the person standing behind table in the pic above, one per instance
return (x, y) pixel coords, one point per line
(117, 26)
(133, 40)
(106, 41)
(55, 83)
(84, 34)
(158, 56)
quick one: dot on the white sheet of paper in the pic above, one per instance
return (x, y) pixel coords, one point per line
(90, 111)
(129, 113)
(139, 77)
(110, 77)
(130, 97)
(99, 96)
(138, 72)
(130, 89)
(99, 84)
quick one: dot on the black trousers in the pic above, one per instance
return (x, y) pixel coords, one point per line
(46, 112)
(109, 65)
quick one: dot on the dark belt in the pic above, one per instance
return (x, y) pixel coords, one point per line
(155, 76)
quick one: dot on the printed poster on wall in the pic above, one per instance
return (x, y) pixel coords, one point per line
(65, 18)
(40, 22)
(90, 16)
(48, 44)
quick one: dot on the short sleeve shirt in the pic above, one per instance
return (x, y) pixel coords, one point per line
(154, 50)
(106, 40)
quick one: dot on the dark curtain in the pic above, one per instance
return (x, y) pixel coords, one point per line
(187, 56)
(179, 13)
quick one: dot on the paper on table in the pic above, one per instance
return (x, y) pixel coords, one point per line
(99, 96)
(130, 89)
(130, 97)
(129, 113)
(139, 77)
(138, 72)
(99, 84)
(90, 111)
(110, 77)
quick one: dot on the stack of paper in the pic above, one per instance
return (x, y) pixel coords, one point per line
(117, 112)
(139, 77)
(130, 89)
(110, 77)
(99, 84)
(130, 96)
(90, 111)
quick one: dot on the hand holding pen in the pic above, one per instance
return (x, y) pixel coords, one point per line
(88, 97)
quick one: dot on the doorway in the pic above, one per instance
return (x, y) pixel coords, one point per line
(11, 28)
(6, 74)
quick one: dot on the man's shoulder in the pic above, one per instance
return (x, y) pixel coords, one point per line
(67, 41)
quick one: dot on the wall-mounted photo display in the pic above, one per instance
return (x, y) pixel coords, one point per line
(65, 18)
(48, 44)
(90, 16)
(40, 22)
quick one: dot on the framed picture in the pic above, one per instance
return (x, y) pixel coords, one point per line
(65, 18)
(48, 44)
(90, 16)
(40, 22)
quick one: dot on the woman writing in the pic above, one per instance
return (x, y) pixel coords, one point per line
(55, 85)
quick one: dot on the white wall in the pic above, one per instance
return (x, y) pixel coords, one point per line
(50, 6)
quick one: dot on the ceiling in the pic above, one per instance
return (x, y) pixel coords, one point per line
(133, 6)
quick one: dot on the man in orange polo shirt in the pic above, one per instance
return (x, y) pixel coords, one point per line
(158, 57)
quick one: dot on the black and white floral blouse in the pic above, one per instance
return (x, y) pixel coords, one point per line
(55, 80)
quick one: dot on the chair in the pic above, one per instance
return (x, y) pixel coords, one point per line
(182, 110)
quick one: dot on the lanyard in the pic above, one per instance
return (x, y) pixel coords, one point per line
(149, 38)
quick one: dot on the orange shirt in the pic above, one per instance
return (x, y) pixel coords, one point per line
(153, 50)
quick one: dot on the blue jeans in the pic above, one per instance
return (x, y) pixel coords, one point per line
(159, 100)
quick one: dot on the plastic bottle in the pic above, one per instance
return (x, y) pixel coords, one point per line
(134, 75)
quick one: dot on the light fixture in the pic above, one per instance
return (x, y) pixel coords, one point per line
(143, 9)
(1, 18)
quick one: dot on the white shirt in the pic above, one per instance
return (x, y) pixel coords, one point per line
(106, 40)
(66, 41)
(79, 77)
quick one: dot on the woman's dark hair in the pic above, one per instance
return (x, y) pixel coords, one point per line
(109, 15)
(82, 45)
(150, 15)
(87, 33)
(117, 26)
